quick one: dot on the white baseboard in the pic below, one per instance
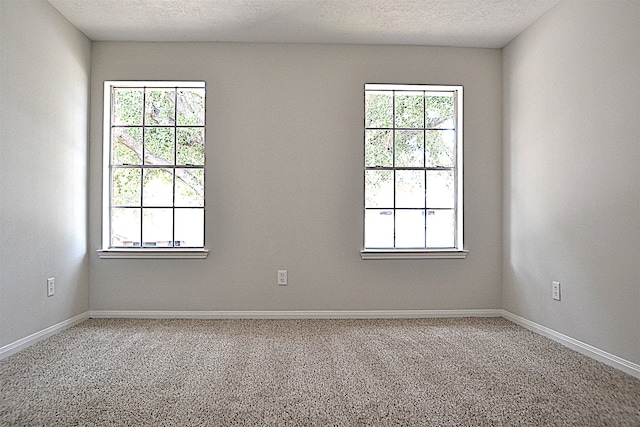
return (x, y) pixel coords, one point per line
(294, 314)
(586, 349)
(25, 342)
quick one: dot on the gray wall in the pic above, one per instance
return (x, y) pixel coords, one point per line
(44, 95)
(285, 180)
(572, 175)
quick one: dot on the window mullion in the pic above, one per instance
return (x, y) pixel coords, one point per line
(143, 163)
(393, 165)
(424, 162)
(175, 162)
(111, 148)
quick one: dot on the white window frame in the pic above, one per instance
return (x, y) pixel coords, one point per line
(458, 250)
(108, 252)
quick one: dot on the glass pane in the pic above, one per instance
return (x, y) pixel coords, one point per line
(126, 187)
(409, 110)
(127, 107)
(439, 112)
(378, 109)
(189, 225)
(158, 187)
(125, 227)
(189, 187)
(409, 189)
(410, 228)
(440, 189)
(160, 107)
(378, 148)
(159, 146)
(190, 146)
(440, 228)
(409, 148)
(191, 106)
(127, 146)
(378, 228)
(378, 189)
(157, 227)
(441, 148)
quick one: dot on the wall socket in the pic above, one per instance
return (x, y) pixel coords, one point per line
(555, 290)
(282, 277)
(51, 286)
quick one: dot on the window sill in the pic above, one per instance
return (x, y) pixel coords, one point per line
(413, 254)
(152, 253)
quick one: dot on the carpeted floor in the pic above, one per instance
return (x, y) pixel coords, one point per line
(417, 372)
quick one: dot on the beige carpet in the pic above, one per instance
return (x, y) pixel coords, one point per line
(419, 372)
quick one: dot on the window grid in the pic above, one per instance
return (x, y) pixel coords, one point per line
(145, 165)
(426, 208)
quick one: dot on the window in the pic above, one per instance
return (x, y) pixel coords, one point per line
(413, 172)
(154, 160)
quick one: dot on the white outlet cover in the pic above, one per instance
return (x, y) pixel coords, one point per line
(555, 290)
(282, 277)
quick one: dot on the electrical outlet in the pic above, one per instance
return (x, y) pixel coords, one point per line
(282, 277)
(51, 286)
(555, 290)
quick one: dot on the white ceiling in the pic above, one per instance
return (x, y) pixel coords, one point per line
(469, 23)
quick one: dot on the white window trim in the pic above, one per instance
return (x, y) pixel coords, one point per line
(169, 253)
(367, 254)
(459, 252)
(139, 253)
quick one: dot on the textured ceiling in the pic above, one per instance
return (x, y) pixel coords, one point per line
(470, 23)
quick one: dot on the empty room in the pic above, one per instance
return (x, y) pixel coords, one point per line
(312, 213)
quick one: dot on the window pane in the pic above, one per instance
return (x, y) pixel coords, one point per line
(440, 189)
(158, 187)
(189, 229)
(189, 187)
(127, 107)
(378, 189)
(409, 148)
(410, 228)
(378, 228)
(125, 227)
(410, 189)
(439, 112)
(190, 146)
(378, 109)
(441, 148)
(126, 187)
(440, 228)
(378, 149)
(160, 107)
(409, 110)
(158, 146)
(157, 227)
(191, 107)
(127, 146)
